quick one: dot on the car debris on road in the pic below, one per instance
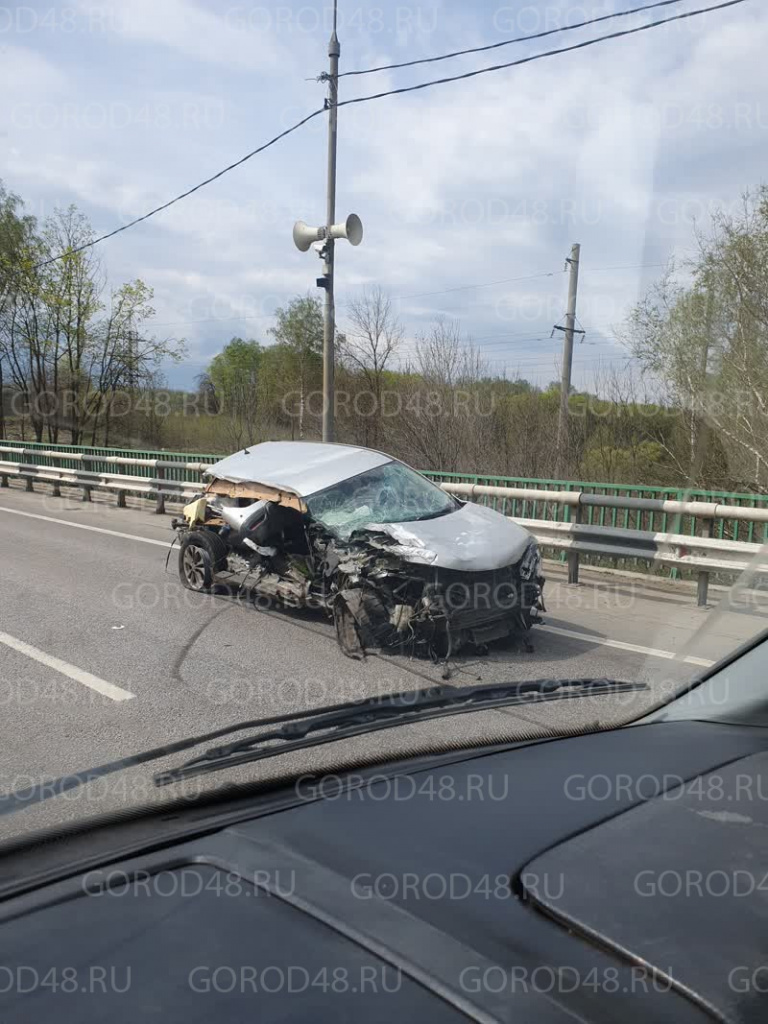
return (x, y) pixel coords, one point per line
(391, 557)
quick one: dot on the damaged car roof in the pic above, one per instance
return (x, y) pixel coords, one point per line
(303, 467)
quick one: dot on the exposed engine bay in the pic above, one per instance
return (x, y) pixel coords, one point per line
(380, 592)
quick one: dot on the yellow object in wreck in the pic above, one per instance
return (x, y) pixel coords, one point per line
(195, 511)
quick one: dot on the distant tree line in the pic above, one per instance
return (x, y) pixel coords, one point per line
(687, 410)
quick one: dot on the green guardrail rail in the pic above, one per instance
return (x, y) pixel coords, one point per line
(524, 508)
(624, 518)
(106, 467)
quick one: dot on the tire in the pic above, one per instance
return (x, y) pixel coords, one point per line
(202, 554)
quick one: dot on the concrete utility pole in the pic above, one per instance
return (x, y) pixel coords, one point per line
(305, 237)
(569, 330)
(329, 312)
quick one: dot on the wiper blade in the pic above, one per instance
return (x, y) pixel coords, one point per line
(327, 725)
(433, 515)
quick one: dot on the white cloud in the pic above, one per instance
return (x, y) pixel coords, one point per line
(492, 178)
(232, 37)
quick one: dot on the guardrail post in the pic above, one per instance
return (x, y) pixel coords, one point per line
(160, 506)
(30, 487)
(3, 481)
(86, 493)
(121, 499)
(702, 587)
(573, 556)
(56, 490)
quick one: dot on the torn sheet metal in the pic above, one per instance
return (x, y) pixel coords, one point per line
(255, 492)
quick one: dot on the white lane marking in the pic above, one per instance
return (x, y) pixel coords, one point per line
(84, 526)
(71, 671)
(621, 645)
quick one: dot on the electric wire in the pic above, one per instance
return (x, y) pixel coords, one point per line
(382, 95)
(509, 42)
(539, 56)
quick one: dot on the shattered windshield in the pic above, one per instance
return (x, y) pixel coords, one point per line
(391, 493)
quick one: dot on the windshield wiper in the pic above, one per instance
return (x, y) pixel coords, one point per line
(433, 515)
(304, 729)
(350, 718)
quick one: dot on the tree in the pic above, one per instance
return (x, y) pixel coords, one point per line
(707, 343)
(299, 337)
(12, 231)
(368, 348)
(123, 358)
(20, 250)
(441, 421)
(69, 301)
(65, 351)
(235, 377)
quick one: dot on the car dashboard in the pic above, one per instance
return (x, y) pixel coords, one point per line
(536, 883)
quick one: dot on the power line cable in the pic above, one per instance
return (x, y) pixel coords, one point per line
(382, 95)
(539, 56)
(183, 195)
(394, 298)
(635, 266)
(483, 284)
(509, 42)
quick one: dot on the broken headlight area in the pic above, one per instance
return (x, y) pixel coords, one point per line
(530, 563)
(378, 598)
(383, 602)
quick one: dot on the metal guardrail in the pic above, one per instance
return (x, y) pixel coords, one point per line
(705, 554)
(525, 504)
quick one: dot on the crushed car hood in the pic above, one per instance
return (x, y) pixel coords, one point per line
(473, 538)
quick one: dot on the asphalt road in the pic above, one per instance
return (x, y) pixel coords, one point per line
(103, 653)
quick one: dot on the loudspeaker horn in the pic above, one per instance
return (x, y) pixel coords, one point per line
(304, 235)
(351, 229)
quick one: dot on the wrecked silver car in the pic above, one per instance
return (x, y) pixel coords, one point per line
(391, 557)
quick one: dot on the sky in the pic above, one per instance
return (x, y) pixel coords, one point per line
(471, 193)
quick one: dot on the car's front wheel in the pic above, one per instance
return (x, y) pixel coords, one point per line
(201, 556)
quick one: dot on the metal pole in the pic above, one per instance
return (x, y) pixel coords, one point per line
(702, 583)
(329, 318)
(565, 380)
(160, 502)
(573, 556)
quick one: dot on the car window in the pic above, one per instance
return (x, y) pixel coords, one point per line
(391, 493)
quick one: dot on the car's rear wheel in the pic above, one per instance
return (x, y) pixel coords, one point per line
(201, 556)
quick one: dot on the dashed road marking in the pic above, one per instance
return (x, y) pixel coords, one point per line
(71, 671)
(622, 645)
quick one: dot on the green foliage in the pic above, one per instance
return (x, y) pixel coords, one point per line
(238, 363)
(707, 344)
(295, 362)
(66, 348)
(81, 358)
(642, 464)
(300, 328)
